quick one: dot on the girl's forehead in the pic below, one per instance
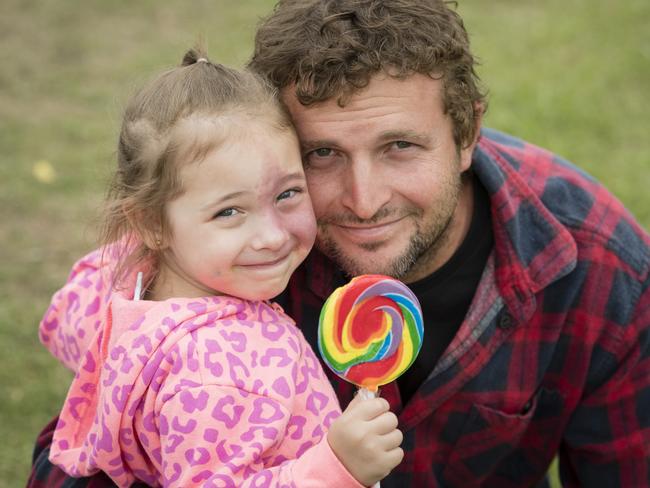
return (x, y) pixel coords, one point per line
(230, 121)
(254, 155)
(196, 136)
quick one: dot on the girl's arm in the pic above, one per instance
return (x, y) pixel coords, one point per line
(263, 413)
(230, 437)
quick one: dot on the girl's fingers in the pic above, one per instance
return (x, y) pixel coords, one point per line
(395, 456)
(391, 440)
(384, 423)
(367, 409)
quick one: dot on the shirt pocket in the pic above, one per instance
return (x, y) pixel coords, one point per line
(489, 435)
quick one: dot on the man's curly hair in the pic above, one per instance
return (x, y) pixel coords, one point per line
(332, 48)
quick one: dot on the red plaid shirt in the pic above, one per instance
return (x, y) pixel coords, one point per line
(553, 355)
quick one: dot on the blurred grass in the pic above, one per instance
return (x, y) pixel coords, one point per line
(570, 75)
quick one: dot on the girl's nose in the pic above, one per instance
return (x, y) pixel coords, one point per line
(271, 234)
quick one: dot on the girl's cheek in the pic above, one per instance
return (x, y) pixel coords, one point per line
(302, 224)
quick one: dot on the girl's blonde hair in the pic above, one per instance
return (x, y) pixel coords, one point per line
(151, 149)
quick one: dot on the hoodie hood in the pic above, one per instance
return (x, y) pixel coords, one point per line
(86, 294)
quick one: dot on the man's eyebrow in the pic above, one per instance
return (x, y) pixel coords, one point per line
(406, 135)
(387, 136)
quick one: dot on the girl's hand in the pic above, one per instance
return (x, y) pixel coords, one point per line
(366, 440)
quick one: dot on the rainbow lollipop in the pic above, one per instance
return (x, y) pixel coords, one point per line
(370, 330)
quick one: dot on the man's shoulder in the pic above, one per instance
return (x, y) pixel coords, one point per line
(535, 163)
(580, 203)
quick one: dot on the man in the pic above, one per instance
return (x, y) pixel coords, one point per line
(533, 278)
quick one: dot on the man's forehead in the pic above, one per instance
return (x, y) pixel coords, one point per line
(383, 93)
(289, 96)
(341, 95)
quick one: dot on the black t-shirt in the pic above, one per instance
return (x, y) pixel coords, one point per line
(445, 295)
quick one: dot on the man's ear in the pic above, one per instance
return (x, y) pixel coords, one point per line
(467, 151)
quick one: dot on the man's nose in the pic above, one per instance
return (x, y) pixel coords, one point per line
(365, 189)
(271, 233)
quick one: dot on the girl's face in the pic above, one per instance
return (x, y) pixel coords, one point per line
(244, 221)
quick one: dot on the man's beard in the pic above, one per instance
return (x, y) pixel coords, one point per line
(424, 244)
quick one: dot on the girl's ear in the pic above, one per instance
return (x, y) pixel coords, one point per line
(146, 227)
(153, 239)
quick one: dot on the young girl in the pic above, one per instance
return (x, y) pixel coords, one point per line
(195, 379)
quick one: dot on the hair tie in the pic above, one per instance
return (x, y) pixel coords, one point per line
(202, 60)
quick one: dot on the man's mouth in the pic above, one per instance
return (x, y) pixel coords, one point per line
(367, 232)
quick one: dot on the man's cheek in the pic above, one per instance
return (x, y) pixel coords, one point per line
(322, 192)
(322, 206)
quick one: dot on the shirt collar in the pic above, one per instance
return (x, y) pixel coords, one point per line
(532, 248)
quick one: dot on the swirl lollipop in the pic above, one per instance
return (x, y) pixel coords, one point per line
(370, 330)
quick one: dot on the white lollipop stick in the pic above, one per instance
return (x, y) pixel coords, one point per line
(138, 287)
(366, 394)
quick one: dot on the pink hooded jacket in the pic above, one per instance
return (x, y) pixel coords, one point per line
(213, 391)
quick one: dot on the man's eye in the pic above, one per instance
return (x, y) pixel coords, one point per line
(226, 212)
(320, 158)
(322, 152)
(402, 144)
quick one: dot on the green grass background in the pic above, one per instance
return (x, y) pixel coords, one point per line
(570, 75)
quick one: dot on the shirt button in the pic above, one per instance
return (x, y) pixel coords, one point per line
(505, 321)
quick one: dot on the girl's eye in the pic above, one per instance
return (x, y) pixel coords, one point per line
(226, 212)
(289, 193)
